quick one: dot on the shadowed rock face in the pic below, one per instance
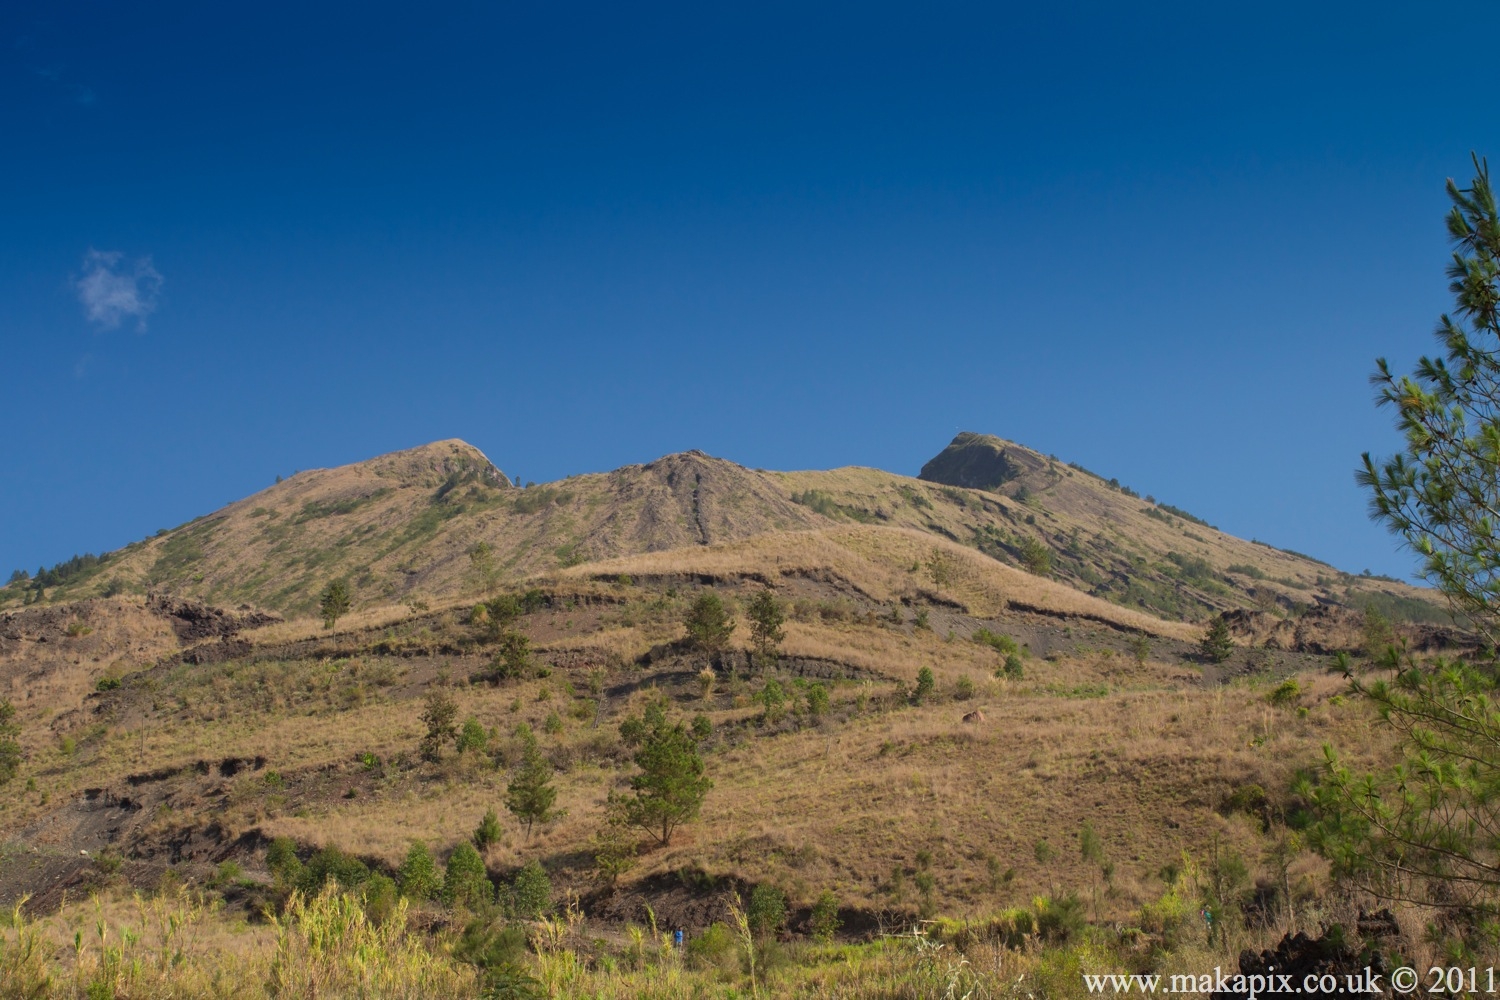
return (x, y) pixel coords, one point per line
(979, 462)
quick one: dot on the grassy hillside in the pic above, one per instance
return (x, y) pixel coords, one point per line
(965, 805)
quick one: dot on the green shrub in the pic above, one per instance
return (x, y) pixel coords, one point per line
(379, 896)
(825, 916)
(466, 883)
(487, 943)
(418, 875)
(772, 698)
(817, 699)
(553, 724)
(472, 736)
(925, 686)
(531, 892)
(488, 832)
(332, 863)
(964, 689)
(282, 860)
(702, 727)
(767, 910)
(715, 948)
(1286, 693)
(1002, 644)
(1059, 920)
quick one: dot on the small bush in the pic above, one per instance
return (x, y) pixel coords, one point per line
(472, 737)
(964, 689)
(817, 699)
(1002, 644)
(825, 916)
(531, 892)
(767, 910)
(1059, 920)
(488, 832)
(553, 724)
(1286, 693)
(418, 876)
(715, 948)
(1012, 668)
(925, 686)
(466, 883)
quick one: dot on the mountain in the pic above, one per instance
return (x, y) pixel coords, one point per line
(404, 527)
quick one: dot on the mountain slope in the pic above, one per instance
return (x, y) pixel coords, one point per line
(403, 528)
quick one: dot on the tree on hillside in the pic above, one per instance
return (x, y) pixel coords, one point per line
(10, 746)
(708, 624)
(671, 786)
(530, 794)
(1426, 829)
(334, 603)
(1036, 557)
(482, 562)
(1216, 645)
(438, 714)
(766, 615)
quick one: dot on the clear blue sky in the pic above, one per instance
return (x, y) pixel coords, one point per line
(1165, 241)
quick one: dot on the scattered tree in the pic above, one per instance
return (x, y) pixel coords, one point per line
(825, 916)
(670, 787)
(10, 745)
(466, 882)
(530, 794)
(941, 568)
(472, 737)
(708, 624)
(1036, 556)
(418, 876)
(926, 684)
(334, 603)
(513, 658)
(438, 715)
(482, 562)
(1216, 645)
(766, 615)
(767, 910)
(1140, 647)
(488, 832)
(531, 893)
(614, 846)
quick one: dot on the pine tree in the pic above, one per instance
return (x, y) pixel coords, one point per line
(708, 624)
(334, 603)
(766, 615)
(418, 875)
(1216, 645)
(466, 882)
(438, 714)
(488, 832)
(1424, 829)
(530, 794)
(670, 787)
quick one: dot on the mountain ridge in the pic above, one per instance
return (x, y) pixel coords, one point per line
(441, 519)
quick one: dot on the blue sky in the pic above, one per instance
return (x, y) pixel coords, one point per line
(1165, 242)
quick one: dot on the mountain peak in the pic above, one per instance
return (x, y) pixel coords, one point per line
(981, 462)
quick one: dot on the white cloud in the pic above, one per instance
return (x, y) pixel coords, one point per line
(113, 289)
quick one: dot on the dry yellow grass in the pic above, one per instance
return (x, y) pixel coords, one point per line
(878, 562)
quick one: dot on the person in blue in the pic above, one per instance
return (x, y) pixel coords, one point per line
(677, 937)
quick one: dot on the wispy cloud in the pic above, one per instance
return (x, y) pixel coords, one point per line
(113, 288)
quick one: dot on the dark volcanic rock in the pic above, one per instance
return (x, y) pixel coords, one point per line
(194, 620)
(979, 462)
(1300, 956)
